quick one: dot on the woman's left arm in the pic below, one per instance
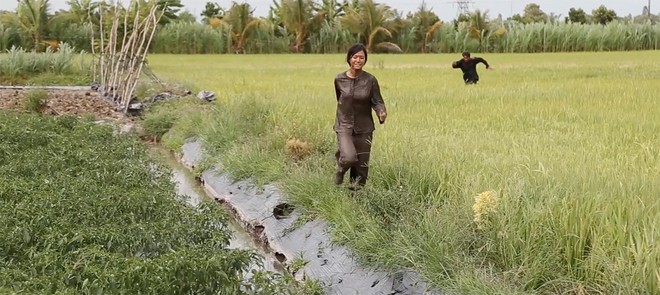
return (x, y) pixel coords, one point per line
(377, 102)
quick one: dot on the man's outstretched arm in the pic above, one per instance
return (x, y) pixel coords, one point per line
(483, 61)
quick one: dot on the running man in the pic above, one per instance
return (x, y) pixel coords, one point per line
(469, 67)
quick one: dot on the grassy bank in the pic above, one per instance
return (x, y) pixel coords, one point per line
(86, 211)
(561, 148)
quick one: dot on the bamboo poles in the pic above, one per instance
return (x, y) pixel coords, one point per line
(124, 43)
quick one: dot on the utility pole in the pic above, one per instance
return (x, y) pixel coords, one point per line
(463, 6)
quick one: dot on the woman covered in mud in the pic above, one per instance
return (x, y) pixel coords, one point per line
(357, 94)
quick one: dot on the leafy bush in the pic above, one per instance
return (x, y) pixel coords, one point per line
(35, 100)
(84, 210)
(158, 124)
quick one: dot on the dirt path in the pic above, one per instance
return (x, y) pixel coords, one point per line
(65, 102)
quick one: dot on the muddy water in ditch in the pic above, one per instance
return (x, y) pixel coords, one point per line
(187, 186)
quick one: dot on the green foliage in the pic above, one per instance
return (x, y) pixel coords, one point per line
(316, 26)
(479, 36)
(211, 10)
(576, 16)
(534, 14)
(84, 210)
(602, 15)
(46, 79)
(35, 100)
(157, 124)
(189, 38)
(570, 37)
(297, 264)
(21, 63)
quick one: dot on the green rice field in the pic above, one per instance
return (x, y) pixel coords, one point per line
(562, 149)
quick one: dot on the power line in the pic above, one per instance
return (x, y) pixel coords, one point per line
(462, 6)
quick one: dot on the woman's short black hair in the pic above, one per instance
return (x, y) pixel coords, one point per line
(355, 49)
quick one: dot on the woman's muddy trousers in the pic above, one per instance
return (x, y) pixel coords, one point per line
(353, 154)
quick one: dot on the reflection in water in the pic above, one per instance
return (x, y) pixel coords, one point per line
(186, 186)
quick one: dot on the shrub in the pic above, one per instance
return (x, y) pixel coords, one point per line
(156, 125)
(35, 100)
(298, 149)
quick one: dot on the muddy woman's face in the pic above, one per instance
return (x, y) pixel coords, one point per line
(357, 60)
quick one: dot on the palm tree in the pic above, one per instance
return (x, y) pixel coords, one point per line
(427, 23)
(32, 18)
(300, 18)
(373, 22)
(331, 10)
(81, 11)
(479, 27)
(241, 23)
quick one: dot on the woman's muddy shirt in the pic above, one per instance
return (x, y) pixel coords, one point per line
(356, 97)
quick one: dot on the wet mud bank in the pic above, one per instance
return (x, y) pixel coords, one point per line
(306, 248)
(187, 186)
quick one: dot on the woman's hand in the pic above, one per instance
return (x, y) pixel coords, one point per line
(382, 116)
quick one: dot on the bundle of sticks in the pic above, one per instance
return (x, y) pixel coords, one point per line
(119, 55)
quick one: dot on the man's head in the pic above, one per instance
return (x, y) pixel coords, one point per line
(466, 55)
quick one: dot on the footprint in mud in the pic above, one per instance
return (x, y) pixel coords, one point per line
(282, 211)
(280, 257)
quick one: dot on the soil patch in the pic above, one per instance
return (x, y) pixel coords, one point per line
(65, 102)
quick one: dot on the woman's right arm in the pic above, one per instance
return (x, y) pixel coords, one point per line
(337, 91)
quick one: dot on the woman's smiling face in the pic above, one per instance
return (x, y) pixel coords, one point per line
(357, 60)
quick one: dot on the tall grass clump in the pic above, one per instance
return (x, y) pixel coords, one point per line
(189, 38)
(543, 179)
(20, 62)
(269, 40)
(515, 37)
(196, 38)
(35, 100)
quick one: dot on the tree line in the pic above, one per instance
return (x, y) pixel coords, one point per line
(330, 26)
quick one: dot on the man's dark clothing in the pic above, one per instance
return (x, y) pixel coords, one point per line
(354, 124)
(469, 69)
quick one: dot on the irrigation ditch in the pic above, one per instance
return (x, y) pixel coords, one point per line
(187, 185)
(263, 220)
(265, 214)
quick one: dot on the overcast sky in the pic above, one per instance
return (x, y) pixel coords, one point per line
(446, 10)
